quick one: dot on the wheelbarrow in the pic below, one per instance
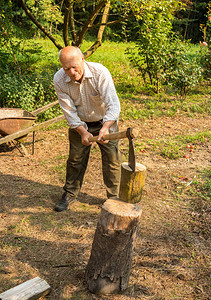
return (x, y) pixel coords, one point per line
(15, 124)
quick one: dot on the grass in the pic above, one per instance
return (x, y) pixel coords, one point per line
(174, 147)
(199, 195)
(159, 105)
(202, 189)
(201, 137)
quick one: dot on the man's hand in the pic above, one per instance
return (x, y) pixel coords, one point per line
(85, 138)
(85, 135)
(103, 131)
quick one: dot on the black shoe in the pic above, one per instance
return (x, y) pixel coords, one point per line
(64, 202)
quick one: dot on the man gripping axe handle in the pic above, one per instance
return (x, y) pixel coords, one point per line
(130, 133)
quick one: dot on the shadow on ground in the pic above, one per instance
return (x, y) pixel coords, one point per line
(37, 241)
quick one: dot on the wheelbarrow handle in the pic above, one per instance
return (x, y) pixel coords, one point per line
(44, 108)
(36, 127)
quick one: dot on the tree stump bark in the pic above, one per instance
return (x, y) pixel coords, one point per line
(110, 262)
(132, 183)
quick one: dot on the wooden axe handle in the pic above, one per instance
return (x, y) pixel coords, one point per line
(116, 135)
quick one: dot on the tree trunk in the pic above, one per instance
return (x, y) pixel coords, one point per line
(110, 262)
(132, 183)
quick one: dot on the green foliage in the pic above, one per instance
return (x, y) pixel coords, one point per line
(50, 18)
(206, 65)
(47, 12)
(206, 59)
(16, 53)
(18, 56)
(28, 92)
(23, 84)
(7, 32)
(162, 58)
(151, 50)
(169, 62)
(19, 91)
(182, 71)
(187, 21)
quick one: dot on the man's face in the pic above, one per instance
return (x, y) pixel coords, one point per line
(74, 67)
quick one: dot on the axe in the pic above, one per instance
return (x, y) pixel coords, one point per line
(130, 133)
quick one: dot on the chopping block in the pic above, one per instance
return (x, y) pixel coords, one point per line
(132, 174)
(110, 262)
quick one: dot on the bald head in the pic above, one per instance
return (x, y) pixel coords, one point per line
(69, 51)
(72, 61)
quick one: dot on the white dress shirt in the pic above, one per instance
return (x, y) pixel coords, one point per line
(93, 99)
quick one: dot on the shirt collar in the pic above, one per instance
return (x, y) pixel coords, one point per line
(87, 73)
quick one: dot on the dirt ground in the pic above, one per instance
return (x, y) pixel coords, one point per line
(171, 259)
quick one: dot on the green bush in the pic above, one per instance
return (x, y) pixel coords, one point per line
(162, 59)
(149, 55)
(28, 92)
(182, 71)
(206, 65)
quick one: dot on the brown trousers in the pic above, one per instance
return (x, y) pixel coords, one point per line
(78, 160)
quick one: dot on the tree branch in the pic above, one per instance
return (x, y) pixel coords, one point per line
(68, 4)
(104, 20)
(90, 22)
(92, 49)
(98, 43)
(34, 20)
(72, 25)
(112, 22)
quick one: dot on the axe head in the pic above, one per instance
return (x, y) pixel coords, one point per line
(132, 157)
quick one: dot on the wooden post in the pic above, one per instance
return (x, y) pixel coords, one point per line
(31, 289)
(110, 262)
(132, 183)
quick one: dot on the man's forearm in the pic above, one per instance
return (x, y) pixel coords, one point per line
(105, 130)
(108, 124)
(81, 130)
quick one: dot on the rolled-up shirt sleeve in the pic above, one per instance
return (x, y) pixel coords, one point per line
(68, 107)
(109, 96)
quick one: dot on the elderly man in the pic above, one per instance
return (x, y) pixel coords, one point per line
(91, 107)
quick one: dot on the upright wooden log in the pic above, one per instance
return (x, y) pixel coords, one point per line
(31, 289)
(132, 183)
(110, 262)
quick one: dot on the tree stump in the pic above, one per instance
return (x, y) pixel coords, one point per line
(132, 183)
(110, 261)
